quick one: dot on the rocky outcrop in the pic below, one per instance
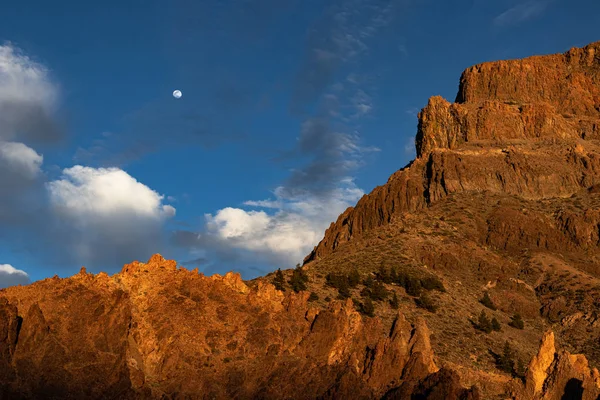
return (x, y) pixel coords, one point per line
(559, 375)
(158, 331)
(522, 127)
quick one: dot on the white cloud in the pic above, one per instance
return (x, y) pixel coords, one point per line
(85, 192)
(20, 160)
(293, 227)
(28, 97)
(109, 215)
(10, 276)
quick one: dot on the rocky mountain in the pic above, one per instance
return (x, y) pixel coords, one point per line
(473, 273)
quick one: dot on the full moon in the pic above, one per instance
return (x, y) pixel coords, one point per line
(177, 94)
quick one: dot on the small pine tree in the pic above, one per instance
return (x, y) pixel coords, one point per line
(483, 323)
(394, 303)
(353, 278)
(298, 280)
(496, 325)
(426, 302)
(279, 280)
(378, 292)
(505, 361)
(520, 370)
(393, 275)
(413, 287)
(313, 296)
(487, 301)
(368, 282)
(517, 321)
(368, 308)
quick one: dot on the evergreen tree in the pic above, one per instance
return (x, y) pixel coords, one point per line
(313, 296)
(520, 370)
(279, 280)
(413, 287)
(517, 321)
(378, 292)
(487, 301)
(426, 302)
(298, 280)
(505, 361)
(496, 325)
(354, 278)
(394, 303)
(483, 323)
(393, 275)
(368, 282)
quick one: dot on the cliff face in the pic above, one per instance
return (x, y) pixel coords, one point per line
(522, 127)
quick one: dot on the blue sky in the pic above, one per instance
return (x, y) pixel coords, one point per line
(290, 112)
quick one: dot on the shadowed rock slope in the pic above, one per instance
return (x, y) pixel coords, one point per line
(496, 219)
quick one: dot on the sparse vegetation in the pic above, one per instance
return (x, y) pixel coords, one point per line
(487, 302)
(298, 280)
(483, 323)
(367, 308)
(496, 325)
(426, 302)
(341, 283)
(313, 296)
(517, 321)
(505, 361)
(279, 280)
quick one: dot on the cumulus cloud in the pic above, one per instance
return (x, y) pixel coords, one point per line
(106, 215)
(28, 98)
(19, 161)
(10, 276)
(277, 231)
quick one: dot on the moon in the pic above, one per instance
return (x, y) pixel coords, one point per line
(177, 94)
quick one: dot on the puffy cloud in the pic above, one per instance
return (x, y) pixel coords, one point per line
(282, 233)
(19, 161)
(28, 98)
(10, 276)
(106, 215)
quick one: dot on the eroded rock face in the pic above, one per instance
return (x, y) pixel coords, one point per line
(155, 330)
(560, 375)
(523, 127)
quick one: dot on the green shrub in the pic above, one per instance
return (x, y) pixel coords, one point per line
(487, 301)
(378, 292)
(354, 278)
(432, 283)
(279, 280)
(413, 286)
(298, 280)
(496, 325)
(517, 321)
(313, 296)
(426, 302)
(483, 323)
(505, 361)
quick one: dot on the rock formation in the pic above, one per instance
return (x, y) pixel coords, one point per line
(502, 199)
(523, 127)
